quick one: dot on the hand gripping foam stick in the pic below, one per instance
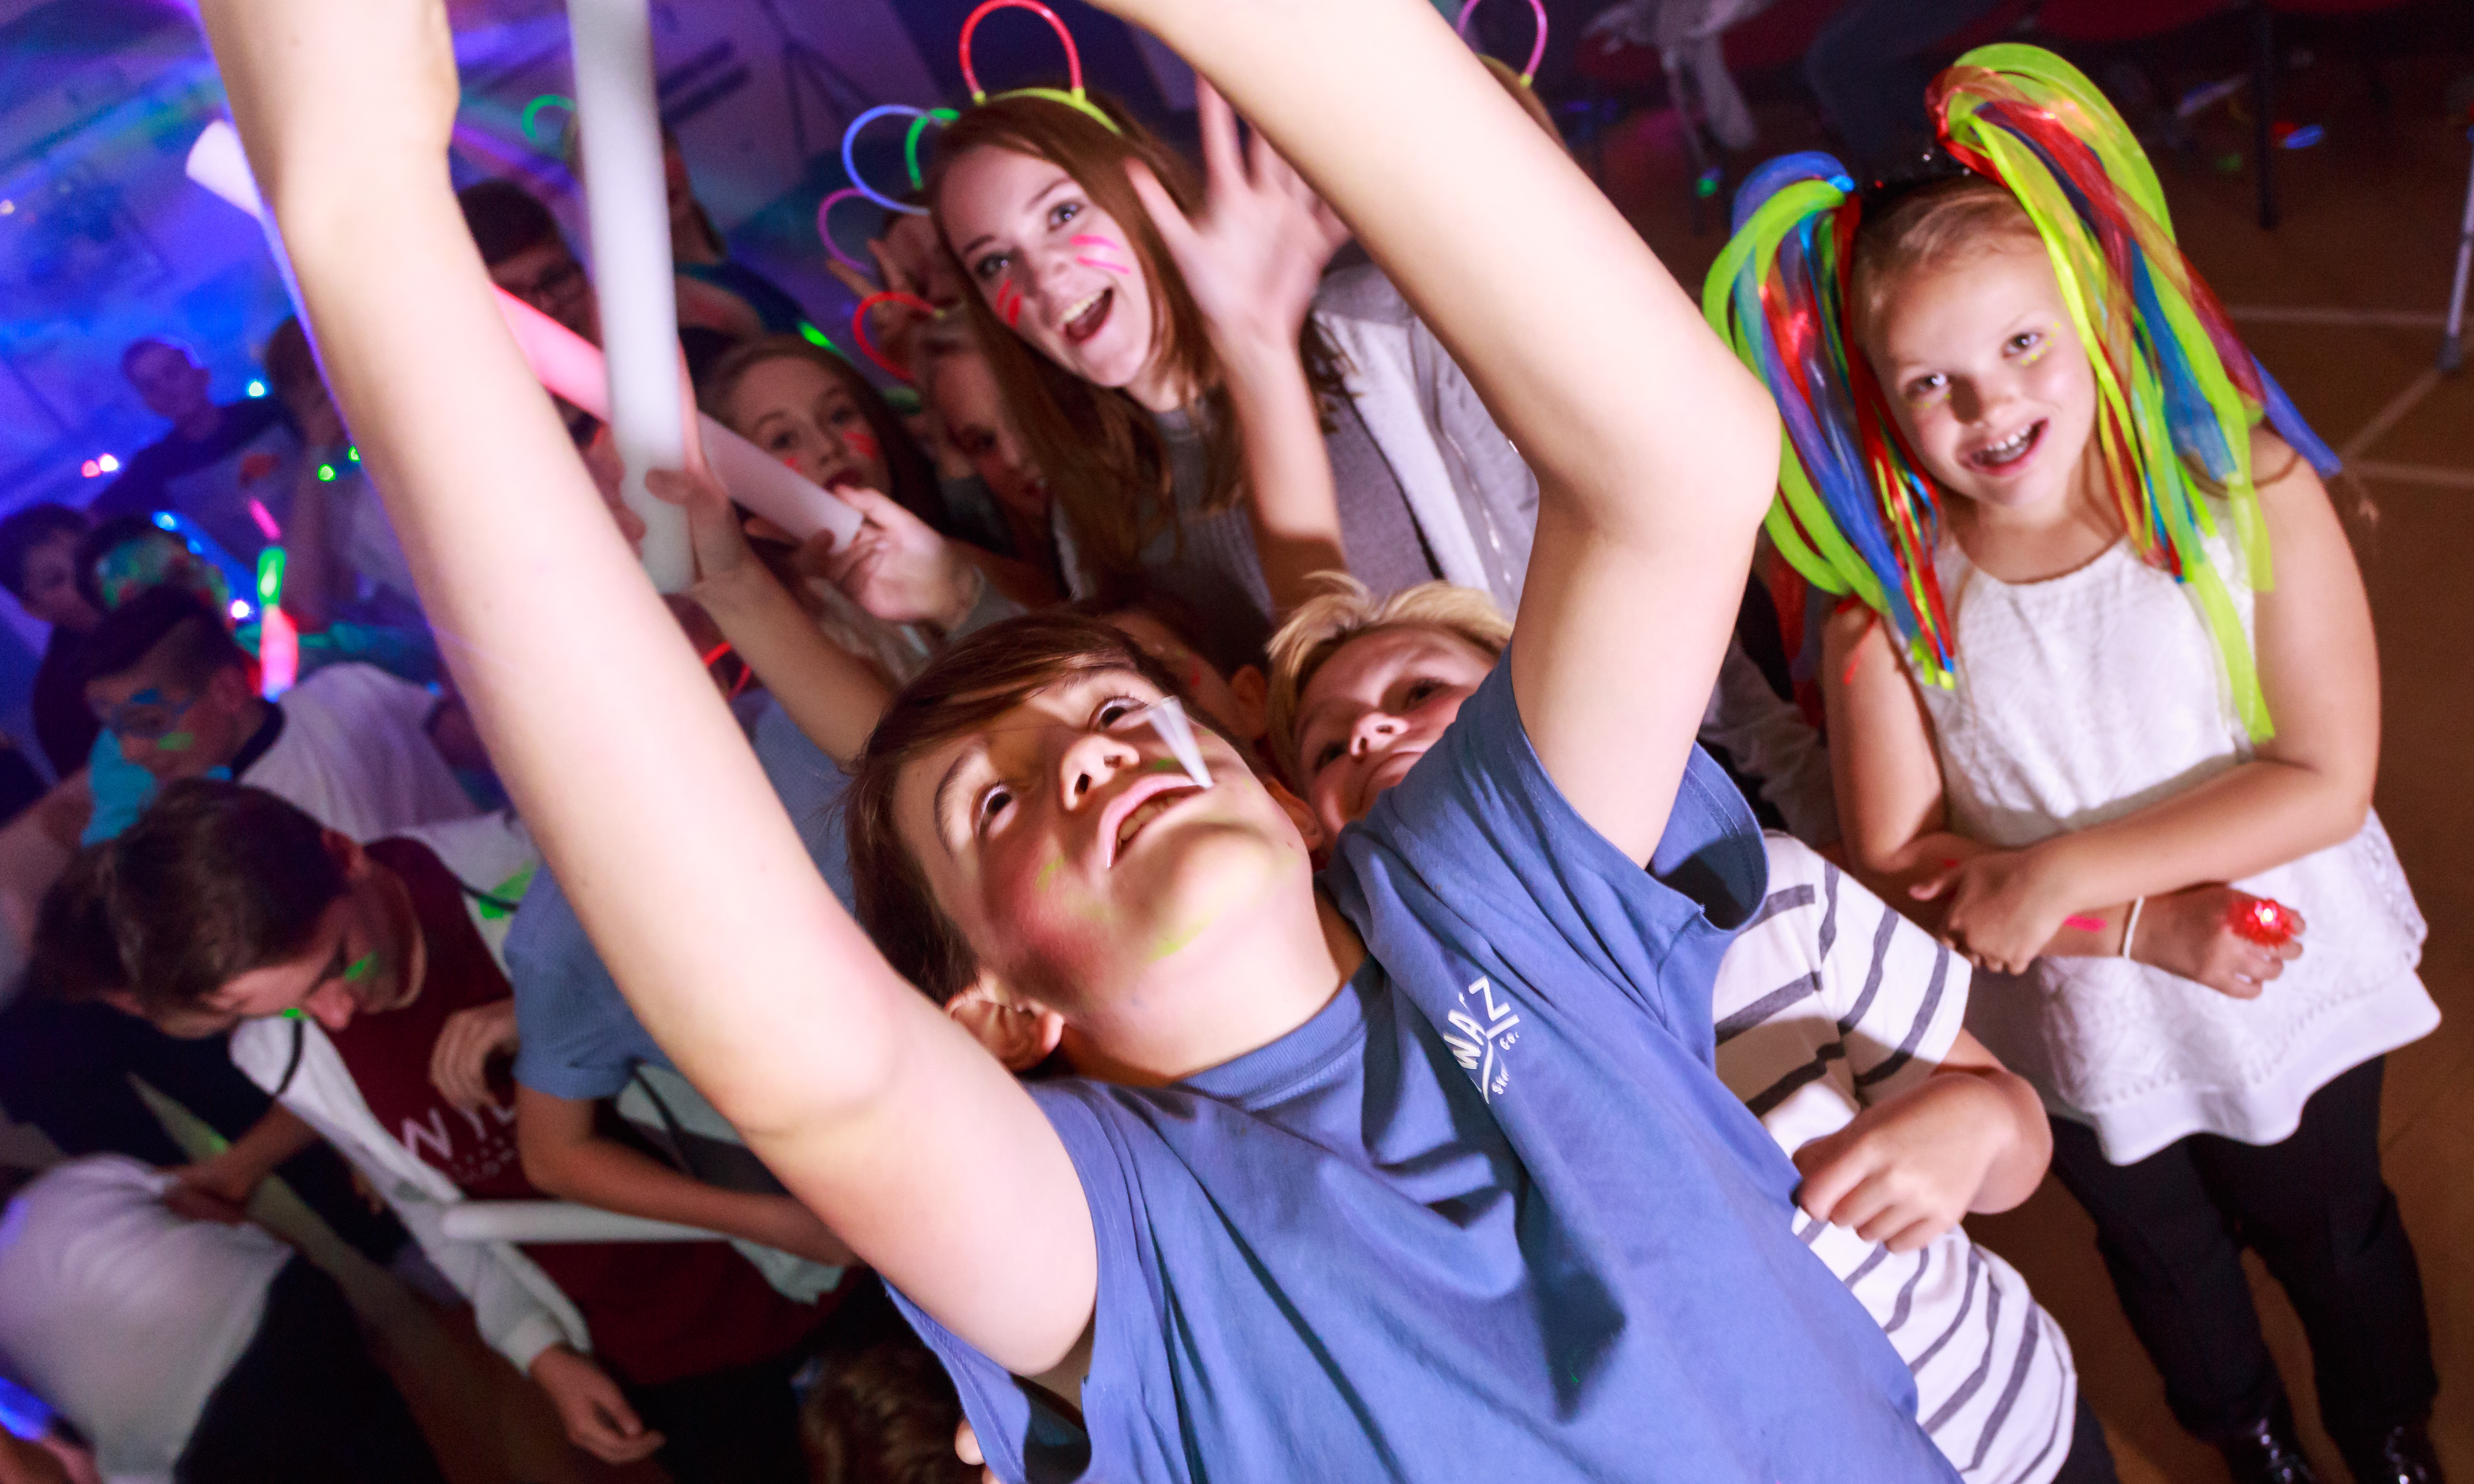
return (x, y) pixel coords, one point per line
(630, 214)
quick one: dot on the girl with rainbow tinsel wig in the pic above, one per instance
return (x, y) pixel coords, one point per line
(2103, 707)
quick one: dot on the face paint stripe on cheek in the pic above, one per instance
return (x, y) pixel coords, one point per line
(1010, 303)
(1101, 253)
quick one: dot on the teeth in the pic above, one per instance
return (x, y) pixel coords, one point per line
(1082, 308)
(2011, 448)
(1141, 815)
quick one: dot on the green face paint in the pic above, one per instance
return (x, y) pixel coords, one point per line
(294, 1013)
(361, 968)
(175, 741)
(1047, 876)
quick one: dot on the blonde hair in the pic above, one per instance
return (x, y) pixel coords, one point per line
(1930, 227)
(1349, 610)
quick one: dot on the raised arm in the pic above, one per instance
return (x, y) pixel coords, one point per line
(1655, 451)
(1252, 260)
(877, 1112)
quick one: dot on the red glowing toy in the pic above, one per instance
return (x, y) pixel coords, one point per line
(2270, 924)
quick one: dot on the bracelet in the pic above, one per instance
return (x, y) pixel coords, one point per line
(2130, 929)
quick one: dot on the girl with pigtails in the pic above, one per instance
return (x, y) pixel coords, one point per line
(2105, 710)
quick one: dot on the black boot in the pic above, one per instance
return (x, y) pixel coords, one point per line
(2400, 1456)
(2266, 1451)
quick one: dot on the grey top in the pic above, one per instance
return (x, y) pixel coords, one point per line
(1211, 565)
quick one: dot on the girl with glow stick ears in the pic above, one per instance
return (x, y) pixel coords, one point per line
(2053, 484)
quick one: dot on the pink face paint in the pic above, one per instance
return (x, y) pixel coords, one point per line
(2085, 924)
(1010, 303)
(862, 444)
(1101, 253)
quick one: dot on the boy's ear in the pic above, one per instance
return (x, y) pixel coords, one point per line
(1252, 691)
(1018, 1034)
(1300, 815)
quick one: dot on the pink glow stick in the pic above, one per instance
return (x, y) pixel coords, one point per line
(570, 367)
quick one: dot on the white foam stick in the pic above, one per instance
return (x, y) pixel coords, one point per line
(629, 210)
(570, 367)
(558, 1221)
(1168, 718)
(217, 162)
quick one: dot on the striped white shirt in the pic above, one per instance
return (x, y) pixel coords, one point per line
(1831, 1002)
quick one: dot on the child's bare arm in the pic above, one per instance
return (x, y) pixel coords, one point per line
(884, 1117)
(1970, 1138)
(2306, 789)
(1655, 449)
(1252, 261)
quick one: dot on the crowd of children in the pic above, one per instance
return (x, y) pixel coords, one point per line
(1135, 965)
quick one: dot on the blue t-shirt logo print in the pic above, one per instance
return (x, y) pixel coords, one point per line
(1479, 1047)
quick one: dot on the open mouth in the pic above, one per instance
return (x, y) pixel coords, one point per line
(1158, 798)
(1084, 320)
(2011, 452)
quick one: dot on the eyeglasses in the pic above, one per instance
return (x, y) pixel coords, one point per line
(554, 283)
(149, 715)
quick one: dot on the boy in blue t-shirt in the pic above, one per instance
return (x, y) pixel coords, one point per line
(1420, 1174)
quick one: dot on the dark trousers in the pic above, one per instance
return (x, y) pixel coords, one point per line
(65, 1069)
(2172, 1228)
(2090, 1460)
(304, 1403)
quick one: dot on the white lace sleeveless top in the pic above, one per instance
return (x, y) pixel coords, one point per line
(2090, 697)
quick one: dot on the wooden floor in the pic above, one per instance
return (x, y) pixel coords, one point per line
(2369, 232)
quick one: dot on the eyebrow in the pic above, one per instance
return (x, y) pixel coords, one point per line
(1063, 178)
(945, 787)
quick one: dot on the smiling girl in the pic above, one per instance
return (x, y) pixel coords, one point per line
(1136, 322)
(2097, 698)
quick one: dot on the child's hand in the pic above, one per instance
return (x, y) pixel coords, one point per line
(1255, 255)
(898, 568)
(1904, 1171)
(2192, 932)
(328, 94)
(459, 1060)
(592, 1409)
(2005, 906)
(723, 559)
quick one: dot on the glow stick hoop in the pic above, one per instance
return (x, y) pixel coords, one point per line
(1072, 96)
(824, 224)
(859, 325)
(910, 141)
(628, 205)
(534, 109)
(850, 161)
(1537, 51)
(570, 367)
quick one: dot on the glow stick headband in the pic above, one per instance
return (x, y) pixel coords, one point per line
(920, 120)
(1537, 50)
(1071, 95)
(2177, 392)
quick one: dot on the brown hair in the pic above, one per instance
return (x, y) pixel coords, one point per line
(1927, 227)
(968, 686)
(169, 627)
(1100, 451)
(214, 880)
(883, 1415)
(75, 956)
(912, 476)
(1349, 610)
